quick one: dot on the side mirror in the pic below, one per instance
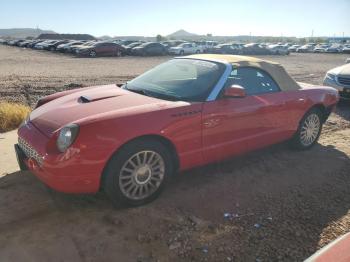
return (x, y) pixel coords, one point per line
(234, 91)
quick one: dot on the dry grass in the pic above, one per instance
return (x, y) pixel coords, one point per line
(12, 115)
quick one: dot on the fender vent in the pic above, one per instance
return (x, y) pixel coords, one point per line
(84, 99)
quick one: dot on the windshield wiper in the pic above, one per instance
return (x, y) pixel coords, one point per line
(138, 91)
(153, 94)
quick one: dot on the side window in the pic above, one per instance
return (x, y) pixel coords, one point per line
(253, 80)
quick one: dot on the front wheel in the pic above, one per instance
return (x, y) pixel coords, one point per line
(309, 130)
(137, 173)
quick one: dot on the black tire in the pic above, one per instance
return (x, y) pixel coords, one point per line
(297, 142)
(111, 176)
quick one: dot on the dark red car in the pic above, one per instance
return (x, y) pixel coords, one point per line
(101, 49)
(184, 113)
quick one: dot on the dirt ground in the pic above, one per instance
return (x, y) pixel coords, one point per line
(283, 205)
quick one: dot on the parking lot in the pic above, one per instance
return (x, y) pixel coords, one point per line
(284, 204)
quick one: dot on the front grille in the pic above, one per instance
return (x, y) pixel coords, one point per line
(29, 151)
(344, 80)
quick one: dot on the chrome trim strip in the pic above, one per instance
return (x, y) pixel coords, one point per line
(221, 83)
(29, 151)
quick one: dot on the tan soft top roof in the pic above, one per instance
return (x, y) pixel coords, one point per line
(278, 73)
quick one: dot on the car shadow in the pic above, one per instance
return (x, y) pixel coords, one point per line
(287, 205)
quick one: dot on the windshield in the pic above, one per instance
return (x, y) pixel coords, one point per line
(179, 80)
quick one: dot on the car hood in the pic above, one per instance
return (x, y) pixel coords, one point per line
(92, 104)
(341, 70)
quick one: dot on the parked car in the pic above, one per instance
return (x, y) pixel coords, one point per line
(234, 49)
(305, 48)
(74, 49)
(255, 49)
(34, 42)
(149, 48)
(207, 45)
(15, 42)
(181, 114)
(43, 45)
(346, 49)
(129, 47)
(18, 42)
(24, 43)
(67, 47)
(339, 78)
(53, 45)
(320, 48)
(278, 49)
(101, 49)
(334, 49)
(126, 42)
(186, 49)
(173, 43)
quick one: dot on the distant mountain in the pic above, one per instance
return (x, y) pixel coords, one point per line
(181, 33)
(23, 32)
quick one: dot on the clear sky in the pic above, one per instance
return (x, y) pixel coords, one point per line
(152, 17)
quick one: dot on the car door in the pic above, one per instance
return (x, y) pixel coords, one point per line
(151, 49)
(109, 49)
(158, 49)
(236, 125)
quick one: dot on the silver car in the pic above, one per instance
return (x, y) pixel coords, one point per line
(339, 78)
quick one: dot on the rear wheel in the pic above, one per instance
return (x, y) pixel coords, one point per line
(137, 173)
(309, 130)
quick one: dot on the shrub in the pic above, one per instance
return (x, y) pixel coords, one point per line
(12, 115)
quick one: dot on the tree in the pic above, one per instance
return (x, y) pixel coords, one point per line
(160, 38)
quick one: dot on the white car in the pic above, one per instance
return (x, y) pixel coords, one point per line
(339, 78)
(320, 48)
(186, 49)
(306, 48)
(278, 49)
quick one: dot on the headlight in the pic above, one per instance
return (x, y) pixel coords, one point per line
(330, 77)
(67, 136)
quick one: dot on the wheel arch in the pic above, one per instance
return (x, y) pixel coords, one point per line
(323, 110)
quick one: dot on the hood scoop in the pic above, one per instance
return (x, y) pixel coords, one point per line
(86, 99)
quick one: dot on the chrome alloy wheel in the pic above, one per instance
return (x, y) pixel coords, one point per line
(141, 175)
(310, 129)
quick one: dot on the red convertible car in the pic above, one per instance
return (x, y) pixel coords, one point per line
(187, 112)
